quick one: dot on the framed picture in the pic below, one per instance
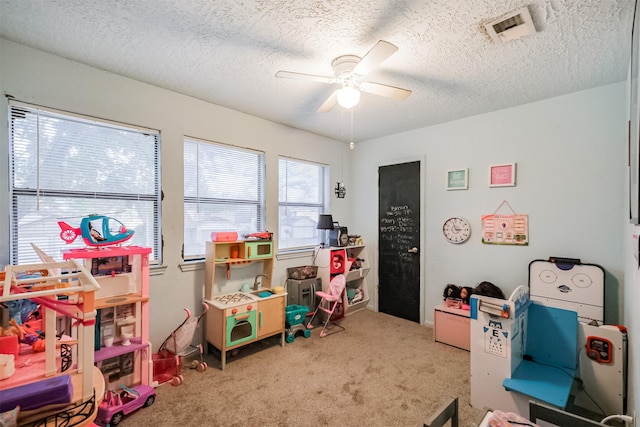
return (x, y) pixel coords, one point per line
(458, 179)
(502, 175)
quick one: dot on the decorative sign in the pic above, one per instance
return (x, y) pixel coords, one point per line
(458, 179)
(502, 175)
(505, 229)
(509, 229)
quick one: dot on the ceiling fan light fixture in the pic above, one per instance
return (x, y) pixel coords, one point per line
(348, 97)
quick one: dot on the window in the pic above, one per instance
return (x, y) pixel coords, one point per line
(64, 167)
(303, 196)
(223, 191)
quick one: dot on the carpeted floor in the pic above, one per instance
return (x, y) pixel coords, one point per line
(380, 371)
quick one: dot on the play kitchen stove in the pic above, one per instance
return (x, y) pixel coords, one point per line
(227, 300)
(240, 311)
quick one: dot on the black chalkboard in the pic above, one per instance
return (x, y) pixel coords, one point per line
(398, 233)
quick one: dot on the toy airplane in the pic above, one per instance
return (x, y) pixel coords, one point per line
(96, 230)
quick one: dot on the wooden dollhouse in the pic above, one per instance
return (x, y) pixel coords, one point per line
(48, 372)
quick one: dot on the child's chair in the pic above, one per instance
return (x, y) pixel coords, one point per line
(328, 303)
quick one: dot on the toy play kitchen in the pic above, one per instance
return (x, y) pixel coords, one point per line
(243, 306)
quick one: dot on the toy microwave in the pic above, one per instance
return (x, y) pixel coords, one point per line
(258, 249)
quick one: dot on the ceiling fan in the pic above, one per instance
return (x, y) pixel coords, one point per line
(349, 72)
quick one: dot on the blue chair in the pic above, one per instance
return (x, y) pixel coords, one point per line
(549, 363)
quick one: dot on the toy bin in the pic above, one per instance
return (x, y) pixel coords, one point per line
(294, 317)
(167, 366)
(303, 272)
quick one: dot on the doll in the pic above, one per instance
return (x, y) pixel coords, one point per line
(451, 291)
(465, 294)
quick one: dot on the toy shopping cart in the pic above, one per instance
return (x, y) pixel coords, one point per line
(294, 316)
(167, 362)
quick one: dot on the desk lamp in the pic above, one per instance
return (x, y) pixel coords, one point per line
(325, 222)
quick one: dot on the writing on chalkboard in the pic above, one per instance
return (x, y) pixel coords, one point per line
(395, 230)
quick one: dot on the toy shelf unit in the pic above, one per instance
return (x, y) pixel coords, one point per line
(122, 349)
(238, 313)
(353, 262)
(50, 378)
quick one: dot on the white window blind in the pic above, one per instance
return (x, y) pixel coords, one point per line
(302, 197)
(65, 166)
(223, 191)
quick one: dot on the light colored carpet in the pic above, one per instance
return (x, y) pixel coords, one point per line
(380, 371)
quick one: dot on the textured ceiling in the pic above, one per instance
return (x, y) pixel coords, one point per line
(227, 52)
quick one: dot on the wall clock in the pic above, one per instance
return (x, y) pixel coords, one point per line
(456, 230)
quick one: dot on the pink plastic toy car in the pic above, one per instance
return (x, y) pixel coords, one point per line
(117, 404)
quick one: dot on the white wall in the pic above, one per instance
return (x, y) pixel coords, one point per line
(33, 76)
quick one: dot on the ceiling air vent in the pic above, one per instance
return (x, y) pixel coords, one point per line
(511, 26)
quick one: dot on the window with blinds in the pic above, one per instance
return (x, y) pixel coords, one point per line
(302, 197)
(65, 166)
(223, 191)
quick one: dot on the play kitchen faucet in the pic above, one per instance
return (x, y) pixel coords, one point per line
(256, 282)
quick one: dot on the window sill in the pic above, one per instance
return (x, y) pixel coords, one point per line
(302, 253)
(157, 270)
(191, 265)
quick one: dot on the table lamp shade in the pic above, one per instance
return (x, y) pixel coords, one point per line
(325, 222)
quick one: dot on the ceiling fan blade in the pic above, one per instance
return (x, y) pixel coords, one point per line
(302, 76)
(329, 103)
(376, 56)
(384, 90)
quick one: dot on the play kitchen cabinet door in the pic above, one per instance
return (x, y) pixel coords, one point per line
(123, 352)
(270, 316)
(353, 262)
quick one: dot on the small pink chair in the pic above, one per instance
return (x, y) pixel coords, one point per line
(328, 303)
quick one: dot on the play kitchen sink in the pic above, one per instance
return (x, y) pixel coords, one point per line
(266, 293)
(262, 293)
